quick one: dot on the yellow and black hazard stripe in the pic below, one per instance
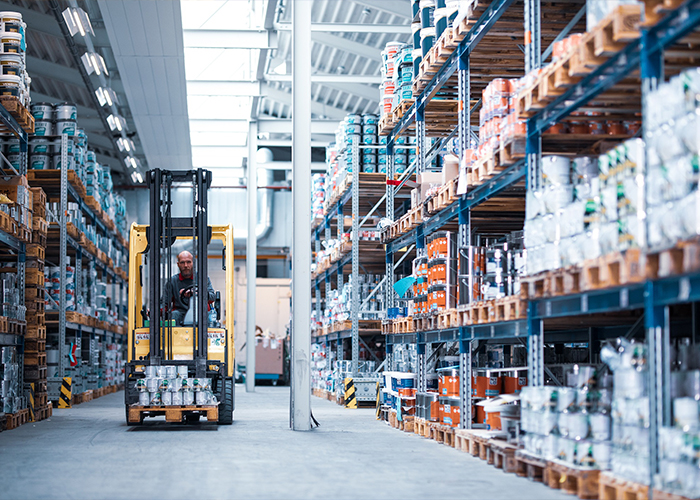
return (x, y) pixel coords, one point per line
(350, 401)
(64, 399)
(31, 402)
(379, 404)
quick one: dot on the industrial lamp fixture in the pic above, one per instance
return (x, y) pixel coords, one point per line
(116, 122)
(132, 162)
(125, 144)
(77, 21)
(137, 177)
(94, 63)
(106, 96)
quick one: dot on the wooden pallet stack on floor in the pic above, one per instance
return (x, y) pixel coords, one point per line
(35, 367)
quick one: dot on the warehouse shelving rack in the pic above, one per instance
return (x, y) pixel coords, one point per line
(86, 335)
(10, 242)
(649, 299)
(364, 204)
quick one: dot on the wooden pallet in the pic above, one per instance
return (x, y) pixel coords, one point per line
(442, 434)
(611, 487)
(475, 442)
(16, 327)
(35, 345)
(36, 332)
(36, 251)
(530, 466)
(20, 113)
(403, 325)
(364, 324)
(24, 233)
(610, 36)
(37, 306)
(36, 264)
(36, 319)
(34, 278)
(35, 358)
(406, 423)
(14, 420)
(445, 196)
(448, 318)
(421, 427)
(666, 495)
(503, 455)
(609, 271)
(34, 372)
(573, 480)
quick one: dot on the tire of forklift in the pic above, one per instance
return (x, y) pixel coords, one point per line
(226, 406)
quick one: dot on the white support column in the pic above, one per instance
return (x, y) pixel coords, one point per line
(300, 411)
(251, 256)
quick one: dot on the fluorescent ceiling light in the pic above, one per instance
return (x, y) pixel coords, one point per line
(106, 96)
(132, 162)
(116, 122)
(77, 21)
(94, 63)
(137, 177)
(125, 144)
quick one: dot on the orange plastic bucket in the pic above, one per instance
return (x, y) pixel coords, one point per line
(480, 415)
(488, 387)
(448, 383)
(493, 420)
(512, 385)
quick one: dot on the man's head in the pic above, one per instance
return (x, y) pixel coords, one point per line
(184, 262)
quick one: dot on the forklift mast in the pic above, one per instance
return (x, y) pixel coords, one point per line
(162, 233)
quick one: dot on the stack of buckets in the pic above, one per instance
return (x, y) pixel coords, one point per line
(318, 195)
(420, 287)
(390, 57)
(442, 271)
(14, 80)
(485, 385)
(431, 19)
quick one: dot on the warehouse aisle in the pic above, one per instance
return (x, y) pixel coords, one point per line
(89, 452)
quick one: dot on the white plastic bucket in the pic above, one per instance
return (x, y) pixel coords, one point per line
(43, 128)
(66, 111)
(67, 127)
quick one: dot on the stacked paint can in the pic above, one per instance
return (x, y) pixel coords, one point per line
(52, 284)
(170, 386)
(391, 60)
(399, 391)
(318, 195)
(420, 287)
(14, 80)
(448, 393)
(443, 292)
(368, 155)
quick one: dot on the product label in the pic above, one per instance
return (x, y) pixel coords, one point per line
(142, 336)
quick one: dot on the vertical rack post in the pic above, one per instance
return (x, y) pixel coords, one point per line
(389, 295)
(656, 318)
(420, 141)
(465, 380)
(535, 348)
(355, 302)
(251, 257)
(63, 239)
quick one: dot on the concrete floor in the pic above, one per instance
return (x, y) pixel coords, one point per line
(88, 452)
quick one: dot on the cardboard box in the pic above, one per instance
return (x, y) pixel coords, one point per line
(428, 180)
(16, 189)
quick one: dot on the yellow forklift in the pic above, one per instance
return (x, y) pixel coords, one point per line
(180, 369)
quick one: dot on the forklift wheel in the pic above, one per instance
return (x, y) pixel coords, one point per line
(226, 406)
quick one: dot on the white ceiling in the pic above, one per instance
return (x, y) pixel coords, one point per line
(146, 38)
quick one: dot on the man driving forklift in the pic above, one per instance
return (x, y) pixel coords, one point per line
(180, 288)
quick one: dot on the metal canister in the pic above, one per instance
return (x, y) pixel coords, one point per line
(66, 111)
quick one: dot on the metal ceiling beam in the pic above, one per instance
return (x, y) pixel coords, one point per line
(229, 39)
(346, 45)
(363, 91)
(277, 126)
(399, 8)
(225, 88)
(317, 108)
(265, 125)
(403, 29)
(326, 78)
(287, 143)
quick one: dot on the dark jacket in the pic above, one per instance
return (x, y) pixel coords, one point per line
(174, 300)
